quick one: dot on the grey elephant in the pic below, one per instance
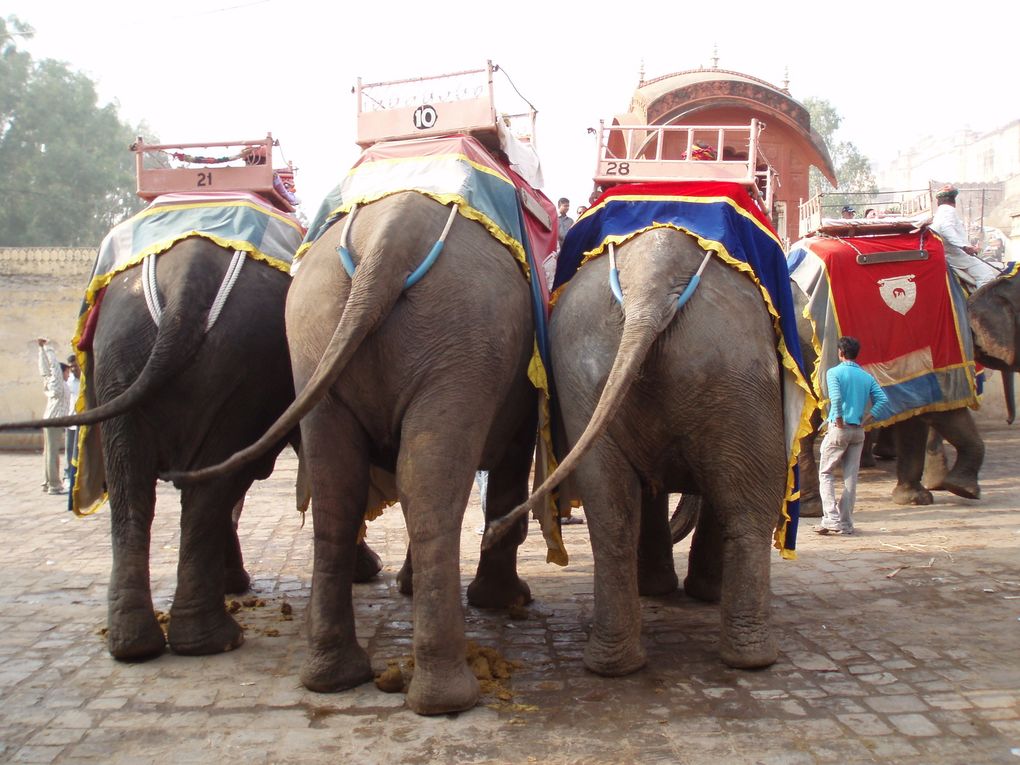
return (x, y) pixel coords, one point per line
(430, 383)
(177, 396)
(655, 399)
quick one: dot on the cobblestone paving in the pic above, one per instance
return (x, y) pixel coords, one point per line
(901, 644)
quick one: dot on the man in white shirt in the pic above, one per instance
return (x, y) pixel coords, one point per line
(960, 254)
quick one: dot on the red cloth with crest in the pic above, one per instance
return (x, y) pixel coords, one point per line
(896, 308)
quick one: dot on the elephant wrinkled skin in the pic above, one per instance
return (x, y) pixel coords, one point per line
(177, 398)
(654, 402)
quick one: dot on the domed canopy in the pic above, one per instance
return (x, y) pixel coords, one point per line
(676, 98)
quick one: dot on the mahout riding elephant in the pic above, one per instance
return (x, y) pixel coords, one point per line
(429, 382)
(179, 396)
(656, 400)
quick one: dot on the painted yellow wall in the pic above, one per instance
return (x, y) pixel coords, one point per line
(41, 290)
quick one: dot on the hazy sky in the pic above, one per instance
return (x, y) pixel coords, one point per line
(235, 69)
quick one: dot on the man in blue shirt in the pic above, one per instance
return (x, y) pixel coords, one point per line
(850, 388)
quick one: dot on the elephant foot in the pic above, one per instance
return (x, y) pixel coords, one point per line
(614, 658)
(200, 634)
(335, 670)
(487, 591)
(912, 495)
(135, 637)
(442, 689)
(749, 655)
(405, 579)
(867, 459)
(961, 486)
(699, 588)
(366, 564)
(657, 580)
(811, 507)
(235, 581)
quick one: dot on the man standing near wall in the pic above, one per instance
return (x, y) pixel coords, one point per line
(54, 376)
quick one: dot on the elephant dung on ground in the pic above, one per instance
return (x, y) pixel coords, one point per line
(431, 383)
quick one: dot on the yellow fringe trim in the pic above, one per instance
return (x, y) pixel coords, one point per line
(103, 280)
(787, 360)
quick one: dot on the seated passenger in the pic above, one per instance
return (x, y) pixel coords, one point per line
(701, 152)
(960, 254)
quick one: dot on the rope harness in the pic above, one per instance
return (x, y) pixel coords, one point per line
(419, 272)
(614, 279)
(151, 291)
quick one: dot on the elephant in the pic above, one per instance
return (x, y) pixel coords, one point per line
(429, 383)
(177, 396)
(652, 401)
(919, 459)
(993, 312)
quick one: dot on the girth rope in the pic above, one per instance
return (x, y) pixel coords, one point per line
(152, 294)
(419, 272)
(614, 279)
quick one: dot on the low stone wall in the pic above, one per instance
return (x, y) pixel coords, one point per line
(41, 290)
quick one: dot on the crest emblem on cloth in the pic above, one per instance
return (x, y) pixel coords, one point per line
(898, 292)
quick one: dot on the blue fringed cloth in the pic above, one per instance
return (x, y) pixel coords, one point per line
(724, 219)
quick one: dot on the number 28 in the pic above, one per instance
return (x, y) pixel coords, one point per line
(618, 168)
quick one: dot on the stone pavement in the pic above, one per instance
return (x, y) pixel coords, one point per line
(901, 644)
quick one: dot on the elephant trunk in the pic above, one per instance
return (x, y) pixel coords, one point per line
(1007, 391)
(640, 330)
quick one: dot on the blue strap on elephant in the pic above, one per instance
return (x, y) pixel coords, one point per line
(726, 222)
(419, 272)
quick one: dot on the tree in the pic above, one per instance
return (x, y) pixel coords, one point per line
(853, 169)
(68, 176)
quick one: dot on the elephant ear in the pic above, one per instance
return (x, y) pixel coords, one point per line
(993, 319)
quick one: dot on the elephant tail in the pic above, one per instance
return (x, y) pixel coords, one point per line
(178, 340)
(374, 292)
(640, 330)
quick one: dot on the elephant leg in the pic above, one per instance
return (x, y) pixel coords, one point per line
(810, 499)
(867, 455)
(612, 502)
(199, 622)
(705, 561)
(746, 640)
(936, 467)
(335, 447)
(235, 579)
(910, 437)
(732, 545)
(885, 445)
(435, 484)
(496, 583)
(405, 577)
(957, 426)
(656, 572)
(132, 630)
(367, 563)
